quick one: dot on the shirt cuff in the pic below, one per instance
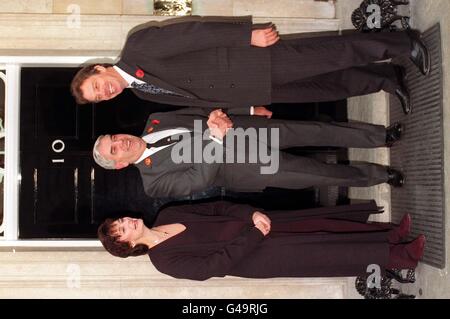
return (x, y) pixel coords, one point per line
(216, 139)
(252, 110)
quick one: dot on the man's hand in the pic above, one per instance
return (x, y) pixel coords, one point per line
(262, 111)
(262, 222)
(219, 123)
(264, 37)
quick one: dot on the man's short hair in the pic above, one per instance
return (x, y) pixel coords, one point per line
(99, 159)
(80, 77)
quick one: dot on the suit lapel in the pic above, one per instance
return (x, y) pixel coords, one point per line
(169, 120)
(149, 78)
(188, 98)
(157, 161)
(163, 124)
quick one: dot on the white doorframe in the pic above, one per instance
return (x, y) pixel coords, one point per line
(12, 179)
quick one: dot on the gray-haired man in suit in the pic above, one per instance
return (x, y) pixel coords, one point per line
(159, 153)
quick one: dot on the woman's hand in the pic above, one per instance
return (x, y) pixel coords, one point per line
(262, 222)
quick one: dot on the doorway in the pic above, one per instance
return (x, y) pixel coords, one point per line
(64, 195)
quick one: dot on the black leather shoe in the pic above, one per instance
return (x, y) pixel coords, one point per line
(394, 133)
(395, 178)
(403, 91)
(419, 53)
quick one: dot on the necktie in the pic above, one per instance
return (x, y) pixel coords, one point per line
(152, 89)
(166, 141)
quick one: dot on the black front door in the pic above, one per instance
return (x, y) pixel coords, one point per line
(63, 194)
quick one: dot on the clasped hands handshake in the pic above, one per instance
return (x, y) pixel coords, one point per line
(219, 123)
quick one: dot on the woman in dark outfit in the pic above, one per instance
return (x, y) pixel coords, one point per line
(218, 239)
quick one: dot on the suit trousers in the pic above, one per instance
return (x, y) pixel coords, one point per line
(339, 85)
(334, 134)
(296, 172)
(304, 68)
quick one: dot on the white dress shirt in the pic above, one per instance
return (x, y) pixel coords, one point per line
(156, 136)
(130, 79)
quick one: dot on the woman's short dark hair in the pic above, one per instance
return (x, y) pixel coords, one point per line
(114, 246)
(80, 77)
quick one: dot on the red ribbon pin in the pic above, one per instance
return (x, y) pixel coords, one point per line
(139, 73)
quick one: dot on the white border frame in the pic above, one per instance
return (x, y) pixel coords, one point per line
(12, 65)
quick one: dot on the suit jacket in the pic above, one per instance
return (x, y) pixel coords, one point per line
(210, 63)
(220, 239)
(242, 167)
(162, 177)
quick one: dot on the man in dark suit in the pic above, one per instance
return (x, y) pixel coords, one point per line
(176, 156)
(226, 64)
